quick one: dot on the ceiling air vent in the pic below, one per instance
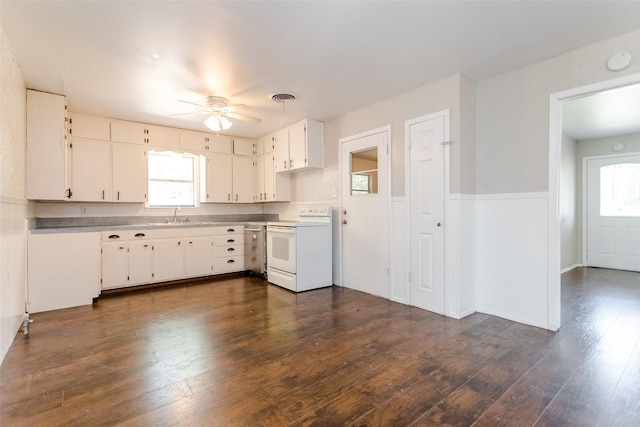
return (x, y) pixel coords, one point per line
(283, 97)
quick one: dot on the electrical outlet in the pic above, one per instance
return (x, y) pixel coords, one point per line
(83, 210)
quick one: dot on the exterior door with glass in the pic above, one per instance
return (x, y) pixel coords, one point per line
(613, 212)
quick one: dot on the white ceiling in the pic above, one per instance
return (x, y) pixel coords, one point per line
(334, 56)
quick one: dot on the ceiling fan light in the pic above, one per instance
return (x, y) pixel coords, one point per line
(217, 123)
(226, 123)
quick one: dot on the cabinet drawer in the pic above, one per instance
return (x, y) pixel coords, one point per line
(232, 239)
(109, 236)
(228, 229)
(139, 234)
(226, 251)
(228, 264)
(198, 231)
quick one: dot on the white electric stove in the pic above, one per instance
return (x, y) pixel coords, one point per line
(299, 252)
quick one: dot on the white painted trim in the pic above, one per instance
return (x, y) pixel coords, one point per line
(571, 267)
(10, 200)
(512, 196)
(555, 147)
(386, 130)
(448, 220)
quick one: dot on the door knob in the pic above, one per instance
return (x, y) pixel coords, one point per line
(439, 224)
(344, 221)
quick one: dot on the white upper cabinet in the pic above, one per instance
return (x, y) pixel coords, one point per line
(87, 126)
(46, 146)
(306, 145)
(216, 184)
(195, 141)
(243, 180)
(90, 170)
(222, 144)
(243, 147)
(140, 133)
(129, 172)
(280, 142)
(277, 186)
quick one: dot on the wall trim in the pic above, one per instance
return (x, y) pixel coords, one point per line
(513, 196)
(10, 200)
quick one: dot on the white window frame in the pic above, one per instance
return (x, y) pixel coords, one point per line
(194, 180)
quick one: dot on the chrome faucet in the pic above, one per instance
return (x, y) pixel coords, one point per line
(175, 214)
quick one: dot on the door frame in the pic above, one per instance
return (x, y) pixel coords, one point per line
(553, 212)
(446, 195)
(585, 193)
(387, 131)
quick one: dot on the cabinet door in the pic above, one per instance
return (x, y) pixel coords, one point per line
(90, 170)
(86, 126)
(259, 175)
(298, 145)
(281, 150)
(130, 132)
(168, 259)
(140, 262)
(161, 136)
(269, 174)
(221, 144)
(218, 178)
(277, 186)
(115, 264)
(129, 172)
(194, 141)
(243, 147)
(46, 146)
(198, 256)
(63, 270)
(243, 179)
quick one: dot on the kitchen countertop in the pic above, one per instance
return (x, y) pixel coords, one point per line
(98, 224)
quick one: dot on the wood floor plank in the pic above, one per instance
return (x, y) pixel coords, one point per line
(242, 352)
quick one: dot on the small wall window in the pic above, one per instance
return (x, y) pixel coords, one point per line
(620, 190)
(172, 179)
(364, 171)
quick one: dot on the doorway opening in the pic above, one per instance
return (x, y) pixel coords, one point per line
(558, 102)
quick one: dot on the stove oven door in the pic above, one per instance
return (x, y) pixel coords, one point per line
(281, 248)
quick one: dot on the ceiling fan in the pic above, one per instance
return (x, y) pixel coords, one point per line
(219, 112)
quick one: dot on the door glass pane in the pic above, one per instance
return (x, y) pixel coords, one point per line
(364, 171)
(620, 190)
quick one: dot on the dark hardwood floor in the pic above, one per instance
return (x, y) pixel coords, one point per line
(241, 352)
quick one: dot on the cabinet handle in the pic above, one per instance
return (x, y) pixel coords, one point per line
(230, 261)
(236, 197)
(284, 164)
(145, 246)
(291, 164)
(228, 197)
(191, 243)
(231, 249)
(230, 230)
(69, 193)
(121, 247)
(102, 194)
(230, 241)
(114, 236)
(179, 242)
(140, 235)
(118, 195)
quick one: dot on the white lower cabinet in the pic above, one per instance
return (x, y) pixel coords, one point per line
(140, 260)
(115, 264)
(168, 259)
(63, 270)
(228, 249)
(198, 249)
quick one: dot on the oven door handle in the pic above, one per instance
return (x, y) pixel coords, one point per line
(282, 230)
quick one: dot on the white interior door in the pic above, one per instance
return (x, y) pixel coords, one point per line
(365, 205)
(613, 212)
(426, 206)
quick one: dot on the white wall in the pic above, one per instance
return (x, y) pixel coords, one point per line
(13, 205)
(512, 153)
(569, 232)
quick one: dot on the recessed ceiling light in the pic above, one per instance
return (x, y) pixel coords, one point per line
(155, 57)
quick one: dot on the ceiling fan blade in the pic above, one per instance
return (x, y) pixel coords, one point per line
(193, 103)
(243, 117)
